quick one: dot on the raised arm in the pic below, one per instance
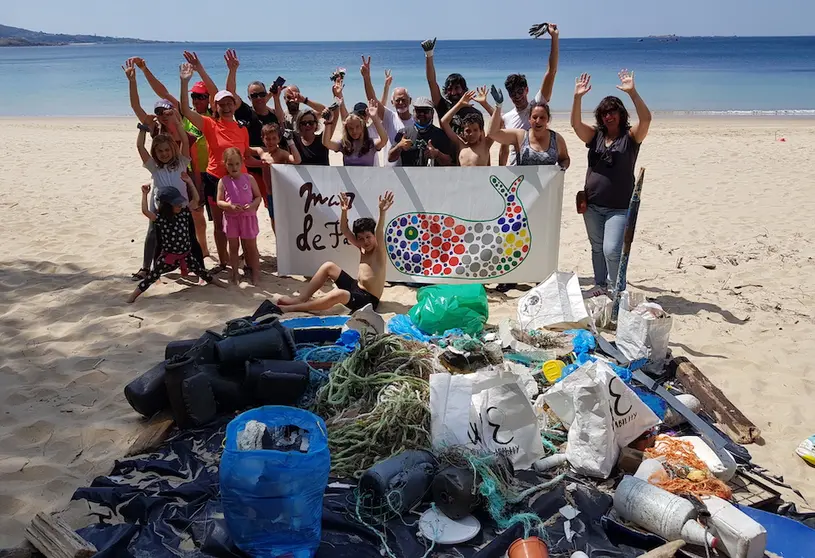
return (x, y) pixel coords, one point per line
(365, 72)
(385, 203)
(192, 190)
(373, 112)
(182, 133)
(232, 65)
(133, 89)
(158, 88)
(294, 153)
(330, 117)
(345, 205)
(185, 72)
(278, 106)
(448, 118)
(429, 47)
(640, 129)
(563, 158)
(192, 59)
(145, 209)
(494, 132)
(548, 83)
(481, 99)
(385, 92)
(582, 86)
(140, 139)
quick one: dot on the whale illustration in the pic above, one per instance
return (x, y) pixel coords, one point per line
(441, 245)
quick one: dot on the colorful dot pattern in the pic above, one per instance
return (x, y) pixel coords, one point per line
(438, 245)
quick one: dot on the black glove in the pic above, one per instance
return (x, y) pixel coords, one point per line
(428, 46)
(538, 30)
(497, 94)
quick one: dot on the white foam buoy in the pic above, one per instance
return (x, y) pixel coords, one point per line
(435, 526)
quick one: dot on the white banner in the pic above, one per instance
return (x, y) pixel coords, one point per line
(474, 224)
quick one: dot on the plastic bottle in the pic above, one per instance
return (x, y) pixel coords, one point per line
(551, 462)
(659, 511)
(739, 535)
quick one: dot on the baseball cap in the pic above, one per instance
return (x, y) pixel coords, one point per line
(199, 87)
(223, 94)
(171, 196)
(163, 104)
(360, 109)
(423, 102)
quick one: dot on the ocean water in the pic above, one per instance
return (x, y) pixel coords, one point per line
(766, 75)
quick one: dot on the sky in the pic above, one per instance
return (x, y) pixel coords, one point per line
(354, 20)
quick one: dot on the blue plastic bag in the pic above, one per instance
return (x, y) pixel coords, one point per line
(403, 326)
(273, 500)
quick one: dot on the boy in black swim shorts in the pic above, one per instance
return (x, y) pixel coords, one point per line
(368, 236)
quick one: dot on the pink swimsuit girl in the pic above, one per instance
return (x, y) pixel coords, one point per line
(238, 191)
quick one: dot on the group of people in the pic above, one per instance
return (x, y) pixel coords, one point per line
(213, 151)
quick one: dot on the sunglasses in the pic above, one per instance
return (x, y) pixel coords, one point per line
(199, 96)
(423, 110)
(160, 110)
(308, 122)
(259, 95)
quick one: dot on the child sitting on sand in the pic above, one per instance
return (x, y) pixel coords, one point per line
(239, 198)
(473, 144)
(369, 238)
(173, 224)
(273, 154)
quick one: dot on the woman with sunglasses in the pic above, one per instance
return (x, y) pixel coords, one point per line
(222, 132)
(308, 138)
(614, 144)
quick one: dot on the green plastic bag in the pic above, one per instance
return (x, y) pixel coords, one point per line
(442, 307)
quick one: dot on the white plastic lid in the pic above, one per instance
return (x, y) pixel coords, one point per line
(435, 526)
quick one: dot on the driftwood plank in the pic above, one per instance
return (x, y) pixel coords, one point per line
(715, 402)
(51, 536)
(25, 551)
(153, 434)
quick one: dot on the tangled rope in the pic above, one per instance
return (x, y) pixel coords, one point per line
(376, 402)
(686, 472)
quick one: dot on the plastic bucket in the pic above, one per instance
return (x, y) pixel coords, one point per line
(532, 547)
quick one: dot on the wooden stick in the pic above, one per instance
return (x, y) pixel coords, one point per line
(54, 539)
(628, 240)
(715, 402)
(153, 435)
(667, 550)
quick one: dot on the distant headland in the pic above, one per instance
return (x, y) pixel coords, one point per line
(16, 36)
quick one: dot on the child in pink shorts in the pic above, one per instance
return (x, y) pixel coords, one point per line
(239, 198)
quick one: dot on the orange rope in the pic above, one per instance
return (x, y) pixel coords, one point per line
(679, 460)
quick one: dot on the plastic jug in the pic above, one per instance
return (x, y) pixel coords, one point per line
(739, 536)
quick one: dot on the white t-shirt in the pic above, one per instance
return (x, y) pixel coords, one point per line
(165, 178)
(393, 124)
(374, 135)
(518, 121)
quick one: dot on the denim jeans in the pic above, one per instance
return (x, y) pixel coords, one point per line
(605, 227)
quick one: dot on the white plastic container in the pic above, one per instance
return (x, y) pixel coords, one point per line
(738, 534)
(659, 511)
(722, 466)
(551, 462)
(672, 418)
(651, 468)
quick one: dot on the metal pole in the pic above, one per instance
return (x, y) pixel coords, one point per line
(628, 239)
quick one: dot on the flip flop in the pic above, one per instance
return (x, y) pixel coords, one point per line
(218, 269)
(139, 275)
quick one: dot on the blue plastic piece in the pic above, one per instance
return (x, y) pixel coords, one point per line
(786, 538)
(349, 339)
(315, 321)
(403, 326)
(273, 500)
(583, 341)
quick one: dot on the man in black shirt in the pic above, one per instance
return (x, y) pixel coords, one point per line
(254, 117)
(455, 86)
(423, 143)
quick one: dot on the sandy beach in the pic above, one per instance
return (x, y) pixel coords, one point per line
(724, 193)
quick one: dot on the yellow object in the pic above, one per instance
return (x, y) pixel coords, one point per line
(697, 475)
(553, 370)
(806, 450)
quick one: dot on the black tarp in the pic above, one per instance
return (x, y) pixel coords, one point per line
(167, 503)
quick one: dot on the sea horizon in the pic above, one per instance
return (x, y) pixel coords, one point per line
(676, 75)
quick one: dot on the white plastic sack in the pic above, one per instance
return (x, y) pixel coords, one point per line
(643, 329)
(487, 410)
(557, 303)
(602, 414)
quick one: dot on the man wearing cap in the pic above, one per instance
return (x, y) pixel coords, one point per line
(518, 90)
(455, 86)
(392, 121)
(423, 144)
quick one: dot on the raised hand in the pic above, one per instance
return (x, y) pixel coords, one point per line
(538, 30)
(192, 60)
(185, 71)
(186, 178)
(553, 30)
(429, 46)
(386, 201)
(288, 135)
(481, 94)
(337, 88)
(139, 62)
(582, 85)
(467, 98)
(388, 78)
(231, 58)
(338, 74)
(626, 81)
(129, 69)
(497, 95)
(365, 69)
(145, 188)
(373, 107)
(345, 201)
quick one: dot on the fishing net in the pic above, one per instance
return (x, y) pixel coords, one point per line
(687, 474)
